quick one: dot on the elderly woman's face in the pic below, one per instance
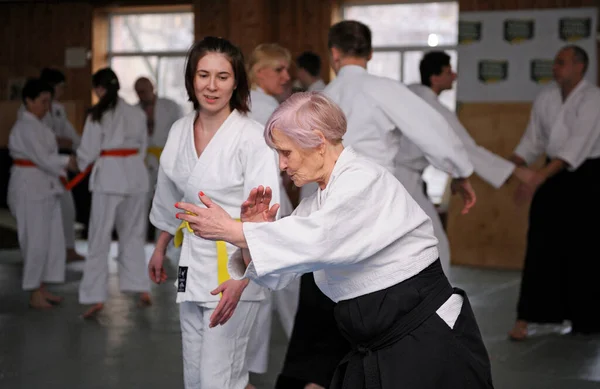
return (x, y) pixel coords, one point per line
(302, 165)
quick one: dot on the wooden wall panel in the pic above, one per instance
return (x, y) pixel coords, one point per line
(302, 25)
(211, 17)
(493, 233)
(36, 35)
(298, 25)
(250, 23)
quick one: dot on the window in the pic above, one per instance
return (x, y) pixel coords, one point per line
(153, 45)
(402, 33)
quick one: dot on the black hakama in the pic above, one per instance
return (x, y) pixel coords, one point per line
(316, 345)
(560, 273)
(399, 341)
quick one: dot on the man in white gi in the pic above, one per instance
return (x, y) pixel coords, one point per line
(436, 77)
(560, 271)
(386, 120)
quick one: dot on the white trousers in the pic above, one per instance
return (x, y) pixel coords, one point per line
(412, 181)
(215, 358)
(67, 207)
(128, 214)
(285, 302)
(41, 239)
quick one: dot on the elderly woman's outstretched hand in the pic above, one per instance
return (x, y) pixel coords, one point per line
(256, 208)
(212, 222)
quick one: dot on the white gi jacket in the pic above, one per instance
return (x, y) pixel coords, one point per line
(568, 130)
(123, 127)
(381, 112)
(236, 160)
(317, 86)
(30, 139)
(59, 123)
(352, 249)
(262, 105)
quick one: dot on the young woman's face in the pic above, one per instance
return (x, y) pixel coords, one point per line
(214, 82)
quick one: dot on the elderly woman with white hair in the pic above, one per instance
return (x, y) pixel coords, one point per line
(372, 250)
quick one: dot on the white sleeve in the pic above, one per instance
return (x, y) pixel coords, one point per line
(166, 194)
(346, 230)
(532, 144)
(494, 169)
(52, 163)
(237, 270)
(91, 144)
(584, 135)
(424, 126)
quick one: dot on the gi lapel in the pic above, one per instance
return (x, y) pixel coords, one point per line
(559, 132)
(210, 154)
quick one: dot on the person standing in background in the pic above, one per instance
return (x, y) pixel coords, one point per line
(161, 113)
(68, 140)
(385, 119)
(34, 192)
(561, 266)
(114, 140)
(437, 76)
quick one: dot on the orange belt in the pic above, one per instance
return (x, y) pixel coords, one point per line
(81, 175)
(118, 152)
(23, 163)
(28, 163)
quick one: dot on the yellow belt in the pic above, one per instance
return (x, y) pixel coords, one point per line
(222, 257)
(156, 151)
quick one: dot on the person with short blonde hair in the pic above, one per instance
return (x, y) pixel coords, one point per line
(264, 57)
(371, 249)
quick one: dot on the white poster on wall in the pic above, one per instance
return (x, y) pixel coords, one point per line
(507, 56)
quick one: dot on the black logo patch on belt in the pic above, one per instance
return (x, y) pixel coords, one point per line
(182, 278)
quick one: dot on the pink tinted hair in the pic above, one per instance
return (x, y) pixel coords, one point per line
(304, 112)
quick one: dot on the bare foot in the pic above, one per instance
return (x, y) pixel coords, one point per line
(519, 331)
(250, 386)
(313, 386)
(145, 300)
(38, 301)
(51, 298)
(74, 256)
(93, 311)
